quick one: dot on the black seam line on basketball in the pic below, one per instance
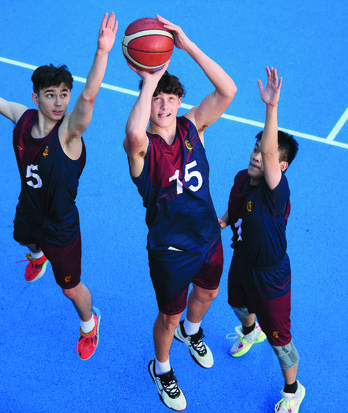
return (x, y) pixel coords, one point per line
(144, 51)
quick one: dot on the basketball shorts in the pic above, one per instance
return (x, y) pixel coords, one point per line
(264, 295)
(65, 260)
(172, 271)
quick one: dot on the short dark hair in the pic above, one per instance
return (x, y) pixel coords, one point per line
(169, 84)
(45, 76)
(287, 145)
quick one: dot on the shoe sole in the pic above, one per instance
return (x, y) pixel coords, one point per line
(152, 362)
(41, 273)
(97, 313)
(246, 349)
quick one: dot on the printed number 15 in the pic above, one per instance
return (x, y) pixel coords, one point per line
(188, 175)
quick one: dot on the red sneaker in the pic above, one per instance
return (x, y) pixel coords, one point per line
(36, 268)
(88, 343)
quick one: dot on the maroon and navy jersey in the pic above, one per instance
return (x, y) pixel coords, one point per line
(174, 185)
(49, 182)
(258, 217)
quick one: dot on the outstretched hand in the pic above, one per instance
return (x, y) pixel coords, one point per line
(107, 32)
(270, 95)
(180, 38)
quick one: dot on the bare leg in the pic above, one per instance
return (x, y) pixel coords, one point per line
(163, 334)
(82, 300)
(199, 302)
(290, 374)
(247, 321)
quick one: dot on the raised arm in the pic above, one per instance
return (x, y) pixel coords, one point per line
(11, 110)
(269, 141)
(77, 121)
(136, 141)
(215, 104)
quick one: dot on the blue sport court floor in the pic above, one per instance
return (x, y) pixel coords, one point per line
(306, 42)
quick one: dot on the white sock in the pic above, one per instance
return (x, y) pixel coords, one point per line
(36, 255)
(162, 368)
(191, 328)
(87, 326)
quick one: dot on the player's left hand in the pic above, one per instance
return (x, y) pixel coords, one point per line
(180, 38)
(270, 95)
(107, 32)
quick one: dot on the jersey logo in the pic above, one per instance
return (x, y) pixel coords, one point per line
(188, 145)
(19, 147)
(249, 206)
(45, 152)
(67, 279)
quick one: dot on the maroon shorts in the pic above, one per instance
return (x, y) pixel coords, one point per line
(169, 269)
(65, 260)
(273, 315)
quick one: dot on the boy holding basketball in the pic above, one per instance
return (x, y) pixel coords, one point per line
(168, 165)
(259, 280)
(51, 155)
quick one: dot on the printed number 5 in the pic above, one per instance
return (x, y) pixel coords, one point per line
(188, 176)
(30, 174)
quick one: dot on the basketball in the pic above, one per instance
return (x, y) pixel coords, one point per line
(147, 45)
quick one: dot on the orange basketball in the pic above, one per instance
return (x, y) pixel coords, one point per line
(147, 45)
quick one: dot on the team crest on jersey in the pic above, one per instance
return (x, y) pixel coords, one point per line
(188, 145)
(249, 206)
(45, 152)
(275, 334)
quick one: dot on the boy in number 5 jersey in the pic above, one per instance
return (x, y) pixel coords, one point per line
(51, 155)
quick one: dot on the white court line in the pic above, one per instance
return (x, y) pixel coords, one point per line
(329, 140)
(339, 125)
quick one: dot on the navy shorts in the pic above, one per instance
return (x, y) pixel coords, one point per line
(65, 260)
(271, 302)
(172, 271)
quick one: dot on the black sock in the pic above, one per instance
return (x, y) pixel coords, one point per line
(247, 330)
(290, 388)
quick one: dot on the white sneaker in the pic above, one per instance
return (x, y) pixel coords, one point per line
(200, 352)
(244, 342)
(290, 403)
(168, 389)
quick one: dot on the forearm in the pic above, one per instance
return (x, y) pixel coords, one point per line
(140, 113)
(269, 142)
(95, 76)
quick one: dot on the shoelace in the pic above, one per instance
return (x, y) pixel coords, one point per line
(171, 387)
(85, 340)
(199, 345)
(234, 337)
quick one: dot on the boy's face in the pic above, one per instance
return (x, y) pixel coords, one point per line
(53, 101)
(164, 108)
(255, 169)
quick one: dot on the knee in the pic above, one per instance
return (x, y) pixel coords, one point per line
(206, 295)
(169, 322)
(287, 355)
(71, 293)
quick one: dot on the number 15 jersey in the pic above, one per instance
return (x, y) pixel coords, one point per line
(174, 185)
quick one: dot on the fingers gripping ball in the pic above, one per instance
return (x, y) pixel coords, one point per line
(146, 44)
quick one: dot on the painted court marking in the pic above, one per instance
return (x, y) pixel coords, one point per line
(329, 140)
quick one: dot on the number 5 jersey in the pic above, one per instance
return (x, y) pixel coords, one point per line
(49, 182)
